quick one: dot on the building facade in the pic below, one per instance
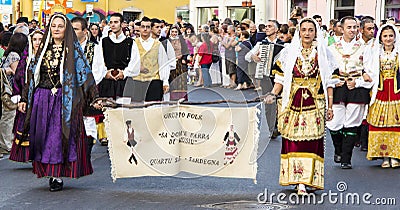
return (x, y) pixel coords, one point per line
(261, 10)
(131, 9)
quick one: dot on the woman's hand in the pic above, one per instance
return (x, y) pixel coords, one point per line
(98, 105)
(329, 114)
(270, 99)
(22, 107)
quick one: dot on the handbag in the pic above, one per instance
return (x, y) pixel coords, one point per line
(6, 91)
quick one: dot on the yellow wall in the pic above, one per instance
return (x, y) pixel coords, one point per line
(162, 9)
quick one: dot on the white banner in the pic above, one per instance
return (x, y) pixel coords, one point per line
(169, 140)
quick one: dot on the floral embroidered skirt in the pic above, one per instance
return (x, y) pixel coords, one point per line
(302, 126)
(384, 129)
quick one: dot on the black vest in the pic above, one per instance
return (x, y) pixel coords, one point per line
(117, 55)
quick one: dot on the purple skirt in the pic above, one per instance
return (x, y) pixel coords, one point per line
(46, 139)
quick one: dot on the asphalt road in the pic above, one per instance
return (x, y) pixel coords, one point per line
(20, 189)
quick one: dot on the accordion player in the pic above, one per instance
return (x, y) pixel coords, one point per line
(268, 54)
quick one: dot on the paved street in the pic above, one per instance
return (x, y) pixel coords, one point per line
(20, 189)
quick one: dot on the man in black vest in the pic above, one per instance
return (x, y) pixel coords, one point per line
(116, 58)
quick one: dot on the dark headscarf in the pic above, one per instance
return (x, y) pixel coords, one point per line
(78, 84)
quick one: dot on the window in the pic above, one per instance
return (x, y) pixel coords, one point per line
(392, 9)
(130, 16)
(240, 13)
(344, 8)
(300, 3)
(184, 14)
(206, 14)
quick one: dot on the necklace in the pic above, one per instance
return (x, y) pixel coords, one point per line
(53, 60)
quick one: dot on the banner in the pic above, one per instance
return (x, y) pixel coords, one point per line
(183, 140)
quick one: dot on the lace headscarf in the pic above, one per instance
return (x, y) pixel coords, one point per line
(373, 60)
(326, 61)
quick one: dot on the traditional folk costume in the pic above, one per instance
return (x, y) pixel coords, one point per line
(20, 149)
(348, 105)
(301, 112)
(111, 54)
(93, 118)
(384, 112)
(149, 86)
(115, 53)
(178, 76)
(60, 85)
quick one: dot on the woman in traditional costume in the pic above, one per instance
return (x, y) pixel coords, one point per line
(60, 85)
(384, 111)
(303, 73)
(178, 76)
(20, 149)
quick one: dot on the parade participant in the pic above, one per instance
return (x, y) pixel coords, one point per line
(302, 74)
(115, 59)
(152, 81)
(8, 67)
(272, 27)
(367, 38)
(95, 32)
(178, 76)
(383, 116)
(337, 33)
(60, 85)
(351, 93)
(166, 43)
(93, 118)
(20, 149)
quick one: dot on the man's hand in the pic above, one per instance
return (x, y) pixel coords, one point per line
(329, 114)
(109, 75)
(120, 75)
(166, 89)
(256, 58)
(144, 70)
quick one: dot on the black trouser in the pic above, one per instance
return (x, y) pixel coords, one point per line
(344, 141)
(364, 135)
(350, 138)
(337, 139)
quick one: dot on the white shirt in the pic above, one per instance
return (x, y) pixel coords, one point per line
(99, 68)
(171, 55)
(164, 66)
(256, 48)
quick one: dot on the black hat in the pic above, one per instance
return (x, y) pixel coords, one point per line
(23, 20)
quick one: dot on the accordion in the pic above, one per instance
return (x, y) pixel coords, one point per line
(268, 52)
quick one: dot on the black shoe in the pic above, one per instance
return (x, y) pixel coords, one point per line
(357, 144)
(364, 149)
(55, 185)
(275, 134)
(346, 166)
(337, 158)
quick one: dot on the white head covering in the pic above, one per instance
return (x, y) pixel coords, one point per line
(326, 61)
(373, 60)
